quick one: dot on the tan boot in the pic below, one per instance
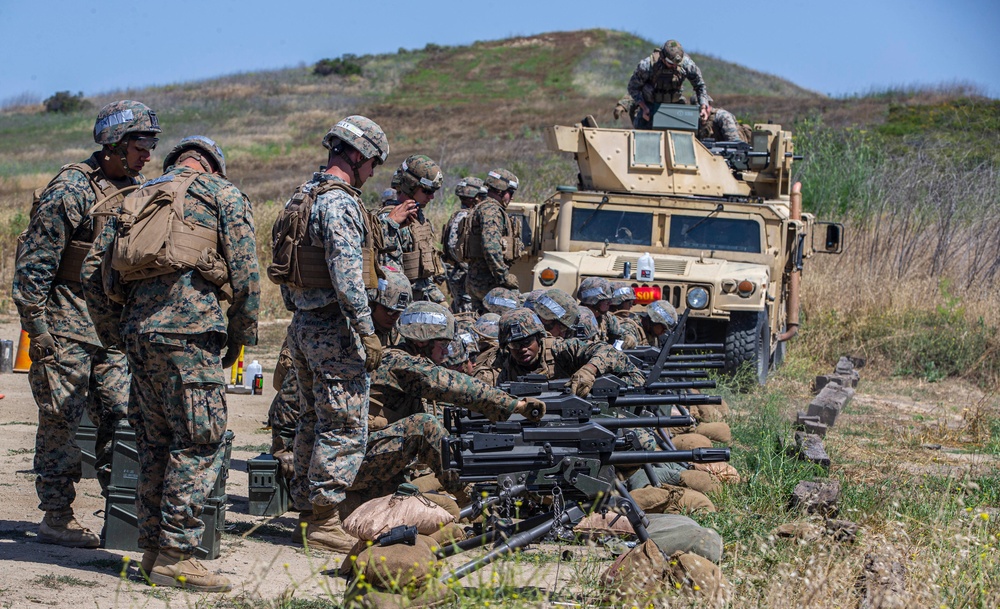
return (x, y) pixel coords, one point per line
(148, 561)
(181, 571)
(325, 530)
(61, 528)
(299, 532)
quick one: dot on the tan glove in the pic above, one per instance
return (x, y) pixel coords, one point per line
(286, 462)
(532, 409)
(582, 380)
(42, 345)
(619, 111)
(373, 351)
(232, 354)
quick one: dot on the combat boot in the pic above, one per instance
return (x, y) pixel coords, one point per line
(325, 530)
(300, 527)
(148, 561)
(175, 569)
(59, 527)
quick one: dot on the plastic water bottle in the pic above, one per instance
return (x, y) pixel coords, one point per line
(248, 375)
(645, 268)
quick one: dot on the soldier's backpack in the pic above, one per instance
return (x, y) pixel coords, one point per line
(297, 261)
(470, 236)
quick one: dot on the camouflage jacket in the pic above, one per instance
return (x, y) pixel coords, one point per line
(609, 329)
(495, 223)
(184, 302)
(396, 239)
(404, 381)
(449, 235)
(653, 82)
(558, 358)
(45, 302)
(631, 330)
(337, 222)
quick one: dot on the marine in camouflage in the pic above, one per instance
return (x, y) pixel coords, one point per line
(79, 374)
(496, 227)
(721, 126)
(653, 82)
(174, 327)
(470, 190)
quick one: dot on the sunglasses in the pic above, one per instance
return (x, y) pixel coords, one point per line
(428, 191)
(145, 143)
(524, 343)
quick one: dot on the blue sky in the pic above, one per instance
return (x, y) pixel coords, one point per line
(839, 47)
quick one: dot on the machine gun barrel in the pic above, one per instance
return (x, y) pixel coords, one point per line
(683, 399)
(681, 385)
(695, 455)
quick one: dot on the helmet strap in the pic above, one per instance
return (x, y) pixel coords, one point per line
(122, 150)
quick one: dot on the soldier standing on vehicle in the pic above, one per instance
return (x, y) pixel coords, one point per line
(409, 236)
(658, 79)
(332, 337)
(525, 348)
(174, 327)
(70, 368)
(491, 242)
(470, 191)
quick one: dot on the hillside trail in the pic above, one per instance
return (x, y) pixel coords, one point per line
(256, 552)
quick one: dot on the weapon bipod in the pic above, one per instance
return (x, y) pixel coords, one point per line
(519, 535)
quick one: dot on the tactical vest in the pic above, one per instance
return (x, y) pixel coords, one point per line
(154, 238)
(449, 249)
(108, 196)
(382, 412)
(422, 262)
(300, 263)
(665, 84)
(470, 236)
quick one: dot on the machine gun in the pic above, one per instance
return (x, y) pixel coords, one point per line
(738, 155)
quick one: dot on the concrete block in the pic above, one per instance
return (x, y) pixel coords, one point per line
(820, 496)
(829, 402)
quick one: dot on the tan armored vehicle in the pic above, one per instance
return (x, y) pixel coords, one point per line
(721, 220)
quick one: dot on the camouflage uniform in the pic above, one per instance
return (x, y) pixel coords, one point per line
(721, 126)
(327, 354)
(655, 83)
(283, 414)
(174, 328)
(632, 334)
(402, 431)
(494, 229)
(80, 373)
(557, 358)
(469, 190)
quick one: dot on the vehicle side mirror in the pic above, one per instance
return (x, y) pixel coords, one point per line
(828, 238)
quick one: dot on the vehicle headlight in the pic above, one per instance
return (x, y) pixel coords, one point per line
(697, 298)
(548, 276)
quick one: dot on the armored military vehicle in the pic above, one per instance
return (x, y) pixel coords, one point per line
(722, 222)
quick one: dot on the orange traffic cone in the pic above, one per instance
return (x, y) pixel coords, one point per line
(22, 362)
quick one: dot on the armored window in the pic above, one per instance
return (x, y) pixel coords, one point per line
(647, 149)
(682, 151)
(613, 226)
(708, 233)
(520, 220)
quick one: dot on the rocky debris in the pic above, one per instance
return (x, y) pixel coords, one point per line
(809, 447)
(810, 424)
(841, 530)
(829, 402)
(820, 496)
(882, 583)
(844, 374)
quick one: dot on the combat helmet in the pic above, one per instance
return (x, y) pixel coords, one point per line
(620, 292)
(199, 147)
(501, 180)
(593, 290)
(672, 51)
(470, 188)
(499, 300)
(662, 312)
(458, 352)
(487, 327)
(586, 326)
(120, 118)
(362, 134)
(389, 194)
(426, 321)
(419, 171)
(528, 298)
(558, 306)
(519, 324)
(393, 292)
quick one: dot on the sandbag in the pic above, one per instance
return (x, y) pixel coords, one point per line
(676, 533)
(657, 500)
(602, 525)
(380, 515)
(446, 502)
(636, 574)
(397, 566)
(703, 482)
(689, 441)
(716, 432)
(725, 472)
(431, 594)
(707, 413)
(697, 577)
(448, 534)
(427, 484)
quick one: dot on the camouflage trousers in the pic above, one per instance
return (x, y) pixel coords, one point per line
(456, 284)
(177, 407)
(77, 377)
(328, 361)
(391, 450)
(283, 415)
(478, 282)
(426, 289)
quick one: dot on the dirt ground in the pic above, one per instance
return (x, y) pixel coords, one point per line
(257, 554)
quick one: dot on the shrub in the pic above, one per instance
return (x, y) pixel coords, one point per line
(66, 102)
(346, 65)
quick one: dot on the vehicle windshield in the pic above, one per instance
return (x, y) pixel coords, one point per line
(613, 226)
(711, 233)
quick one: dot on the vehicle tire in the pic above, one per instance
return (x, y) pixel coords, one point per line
(748, 340)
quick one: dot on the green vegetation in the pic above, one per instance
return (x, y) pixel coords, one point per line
(65, 102)
(345, 65)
